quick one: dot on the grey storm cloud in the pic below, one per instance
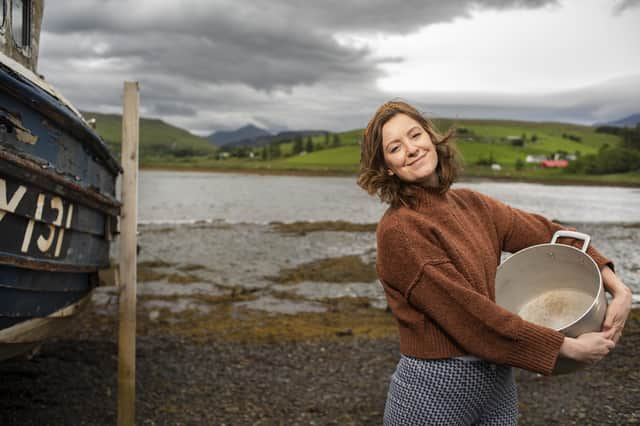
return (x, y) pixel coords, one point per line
(172, 108)
(266, 45)
(212, 65)
(260, 17)
(591, 104)
(626, 4)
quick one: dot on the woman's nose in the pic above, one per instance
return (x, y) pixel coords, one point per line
(412, 150)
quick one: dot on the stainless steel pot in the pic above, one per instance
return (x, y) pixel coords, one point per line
(554, 285)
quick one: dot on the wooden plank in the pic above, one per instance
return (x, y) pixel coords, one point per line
(128, 258)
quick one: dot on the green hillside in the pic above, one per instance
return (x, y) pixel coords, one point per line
(159, 141)
(481, 143)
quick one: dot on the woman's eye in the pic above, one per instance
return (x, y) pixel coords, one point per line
(415, 135)
(394, 148)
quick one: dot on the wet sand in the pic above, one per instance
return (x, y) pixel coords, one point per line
(271, 334)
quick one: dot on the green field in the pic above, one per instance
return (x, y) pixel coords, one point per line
(166, 146)
(486, 142)
(158, 140)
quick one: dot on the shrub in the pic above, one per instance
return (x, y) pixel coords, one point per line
(572, 137)
(608, 160)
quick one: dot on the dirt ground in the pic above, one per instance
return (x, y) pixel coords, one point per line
(334, 376)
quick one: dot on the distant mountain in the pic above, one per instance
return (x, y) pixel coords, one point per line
(254, 136)
(630, 121)
(288, 135)
(248, 132)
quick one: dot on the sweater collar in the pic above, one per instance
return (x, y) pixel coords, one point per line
(430, 197)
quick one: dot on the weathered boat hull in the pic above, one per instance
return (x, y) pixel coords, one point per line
(25, 337)
(58, 210)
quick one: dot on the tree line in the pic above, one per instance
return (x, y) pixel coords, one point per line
(273, 150)
(622, 158)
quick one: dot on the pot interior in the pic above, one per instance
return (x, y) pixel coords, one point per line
(550, 284)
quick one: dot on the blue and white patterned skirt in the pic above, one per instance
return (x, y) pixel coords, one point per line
(451, 391)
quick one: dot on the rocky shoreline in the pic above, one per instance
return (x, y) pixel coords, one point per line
(270, 370)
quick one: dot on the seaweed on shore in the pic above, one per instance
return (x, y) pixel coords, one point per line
(304, 227)
(231, 323)
(154, 264)
(189, 267)
(343, 269)
(200, 224)
(233, 294)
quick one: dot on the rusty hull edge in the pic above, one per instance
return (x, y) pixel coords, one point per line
(51, 181)
(44, 265)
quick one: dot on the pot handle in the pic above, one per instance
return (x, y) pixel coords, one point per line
(573, 234)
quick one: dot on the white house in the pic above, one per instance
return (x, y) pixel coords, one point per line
(535, 159)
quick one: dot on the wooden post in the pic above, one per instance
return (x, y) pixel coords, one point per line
(128, 258)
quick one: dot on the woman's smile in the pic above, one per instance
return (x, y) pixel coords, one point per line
(417, 160)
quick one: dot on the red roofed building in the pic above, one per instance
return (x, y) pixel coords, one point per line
(554, 163)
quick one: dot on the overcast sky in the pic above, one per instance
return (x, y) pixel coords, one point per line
(209, 65)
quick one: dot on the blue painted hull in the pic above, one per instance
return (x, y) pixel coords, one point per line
(58, 208)
(26, 294)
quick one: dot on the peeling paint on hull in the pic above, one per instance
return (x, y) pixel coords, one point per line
(58, 209)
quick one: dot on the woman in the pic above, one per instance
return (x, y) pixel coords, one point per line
(438, 251)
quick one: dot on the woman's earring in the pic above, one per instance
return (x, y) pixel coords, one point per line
(390, 172)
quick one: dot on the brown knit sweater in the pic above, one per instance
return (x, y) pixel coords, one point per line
(437, 264)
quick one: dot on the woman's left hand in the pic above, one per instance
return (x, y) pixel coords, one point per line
(619, 307)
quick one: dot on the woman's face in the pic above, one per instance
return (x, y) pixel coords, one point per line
(408, 151)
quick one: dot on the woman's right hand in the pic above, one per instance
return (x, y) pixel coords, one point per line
(589, 347)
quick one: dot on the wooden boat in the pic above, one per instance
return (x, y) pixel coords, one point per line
(58, 208)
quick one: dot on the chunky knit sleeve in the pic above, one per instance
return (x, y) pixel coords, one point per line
(431, 283)
(518, 229)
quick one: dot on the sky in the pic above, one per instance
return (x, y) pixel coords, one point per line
(209, 65)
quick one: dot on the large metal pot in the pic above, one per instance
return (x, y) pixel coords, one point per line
(554, 285)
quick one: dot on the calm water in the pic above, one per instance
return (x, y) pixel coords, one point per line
(171, 197)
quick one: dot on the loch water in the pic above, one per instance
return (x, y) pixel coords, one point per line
(214, 233)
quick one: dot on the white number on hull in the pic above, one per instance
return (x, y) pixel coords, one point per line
(13, 202)
(43, 243)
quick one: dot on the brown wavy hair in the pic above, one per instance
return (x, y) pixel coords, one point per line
(373, 176)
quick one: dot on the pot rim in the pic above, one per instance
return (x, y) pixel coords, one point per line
(593, 262)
